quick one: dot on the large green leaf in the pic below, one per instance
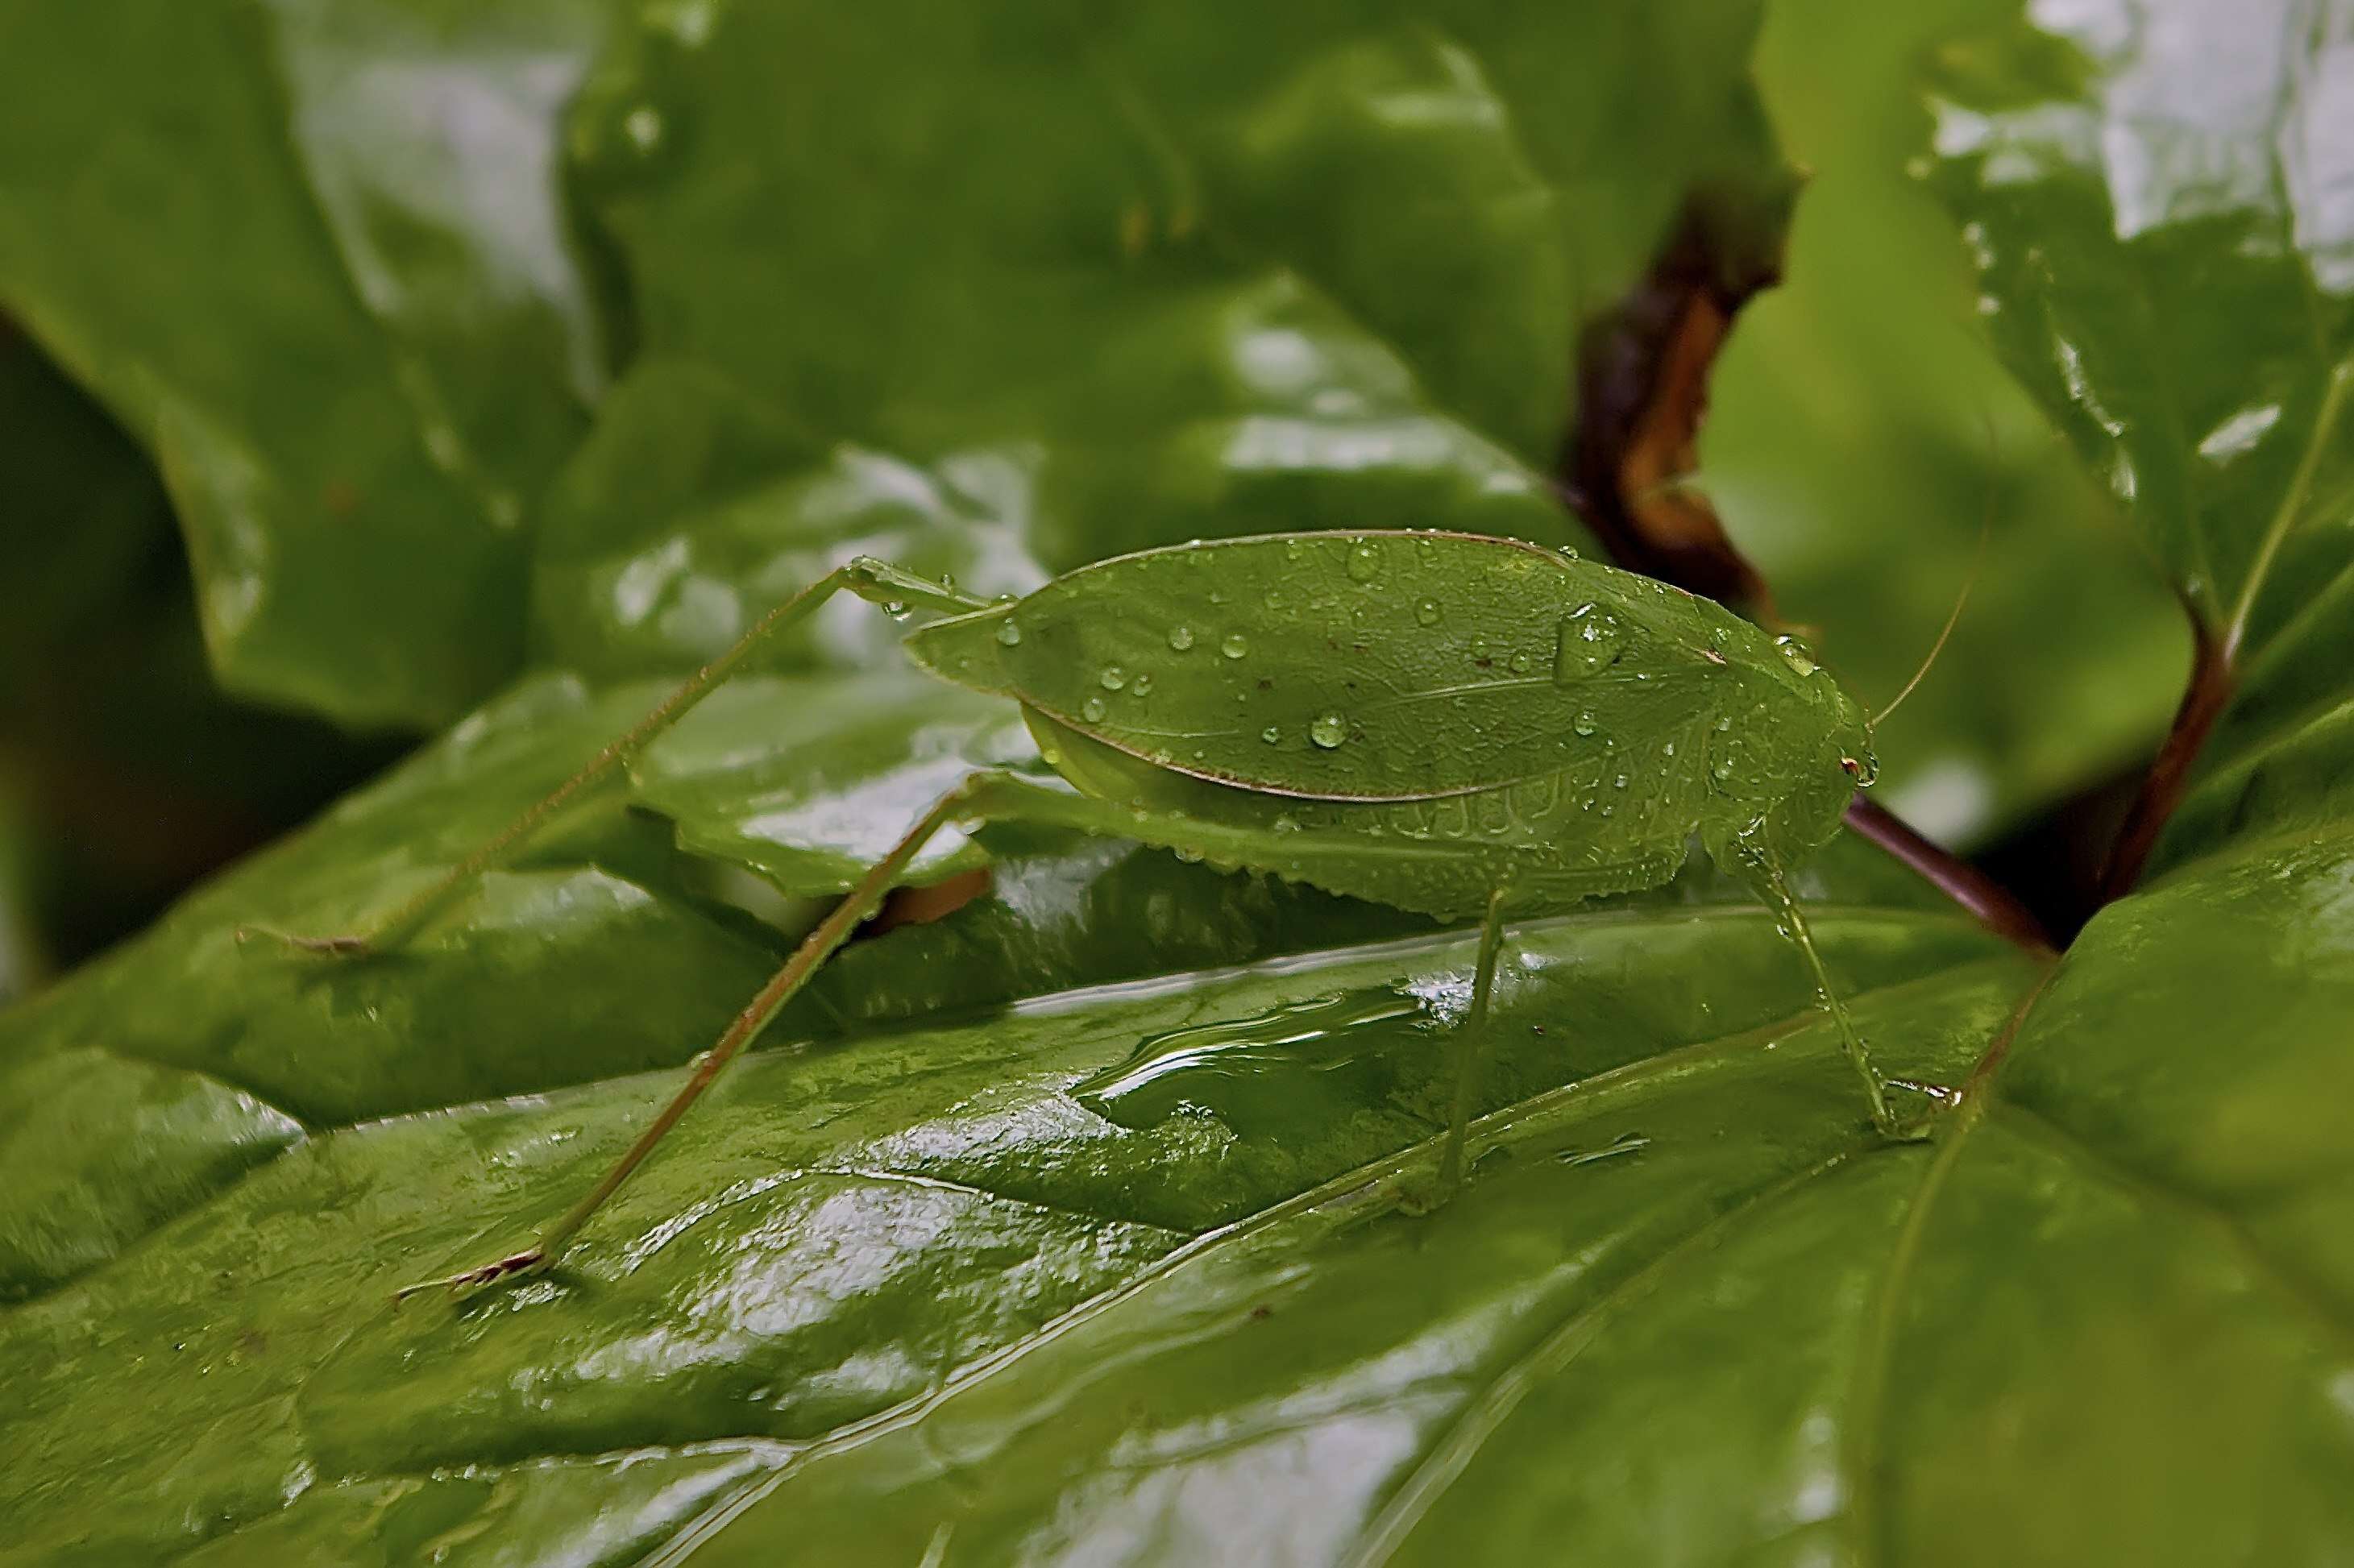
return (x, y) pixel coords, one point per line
(2158, 208)
(125, 773)
(311, 255)
(1145, 287)
(1091, 1223)
(1860, 434)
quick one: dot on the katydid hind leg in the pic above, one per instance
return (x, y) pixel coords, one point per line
(871, 579)
(1471, 1045)
(966, 802)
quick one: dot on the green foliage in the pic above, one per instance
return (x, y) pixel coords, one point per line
(1071, 1226)
(1861, 434)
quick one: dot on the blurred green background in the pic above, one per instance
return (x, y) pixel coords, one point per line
(1860, 433)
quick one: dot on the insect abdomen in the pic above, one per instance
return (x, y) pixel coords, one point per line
(1552, 841)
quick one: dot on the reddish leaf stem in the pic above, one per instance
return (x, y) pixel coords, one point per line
(2162, 788)
(1992, 904)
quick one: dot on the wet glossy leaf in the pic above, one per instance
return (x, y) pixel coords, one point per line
(2165, 251)
(1091, 1222)
(1862, 431)
(1147, 288)
(311, 256)
(125, 773)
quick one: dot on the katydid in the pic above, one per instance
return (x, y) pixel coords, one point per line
(1449, 723)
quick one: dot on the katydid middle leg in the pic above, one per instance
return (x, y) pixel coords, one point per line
(869, 578)
(1471, 1052)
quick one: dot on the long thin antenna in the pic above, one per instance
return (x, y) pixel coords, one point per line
(1961, 600)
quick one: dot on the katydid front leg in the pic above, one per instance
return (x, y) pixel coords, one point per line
(1766, 875)
(878, 582)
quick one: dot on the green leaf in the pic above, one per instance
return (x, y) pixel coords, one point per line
(125, 773)
(1153, 287)
(1861, 434)
(311, 256)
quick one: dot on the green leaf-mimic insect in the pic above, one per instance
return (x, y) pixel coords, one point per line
(1445, 723)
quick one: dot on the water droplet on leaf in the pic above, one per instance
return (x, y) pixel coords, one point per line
(1364, 562)
(1427, 612)
(1329, 730)
(1008, 633)
(1584, 723)
(1113, 678)
(1181, 638)
(1235, 646)
(644, 126)
(1271, 734)
(1092, 710)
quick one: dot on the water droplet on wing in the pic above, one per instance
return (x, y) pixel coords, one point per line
(1589, 641)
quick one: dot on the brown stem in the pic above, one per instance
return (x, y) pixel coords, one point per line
(2162, 788)
(1642, 394)
(1991, 903)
